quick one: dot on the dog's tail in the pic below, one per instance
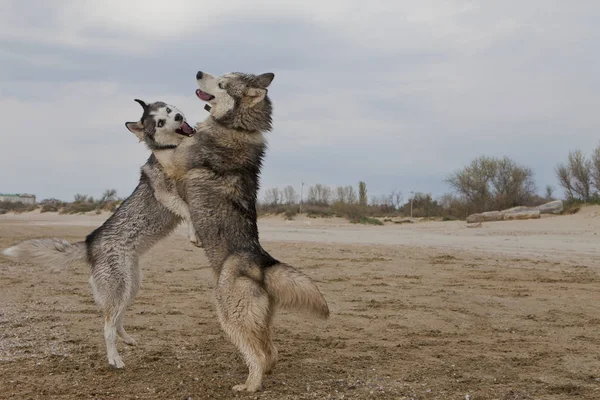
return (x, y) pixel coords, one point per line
(54, 253)
(292, 289)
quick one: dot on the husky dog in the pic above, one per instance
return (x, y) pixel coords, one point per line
(218, 173)
(162, 140)
(113, 249)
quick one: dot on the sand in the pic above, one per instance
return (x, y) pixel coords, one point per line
(430, 310)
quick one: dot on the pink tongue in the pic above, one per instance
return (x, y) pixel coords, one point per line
(186, 128)
(203, 96)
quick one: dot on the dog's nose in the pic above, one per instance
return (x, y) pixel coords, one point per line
(199, 75)
(178, 117)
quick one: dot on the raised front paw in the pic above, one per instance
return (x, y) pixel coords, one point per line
(195, 240)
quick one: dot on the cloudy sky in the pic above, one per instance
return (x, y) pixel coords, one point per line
(395, 93)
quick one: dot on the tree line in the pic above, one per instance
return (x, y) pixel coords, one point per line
(485, 184)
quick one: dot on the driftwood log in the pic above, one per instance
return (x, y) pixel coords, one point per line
(554, 207)
(521, 212)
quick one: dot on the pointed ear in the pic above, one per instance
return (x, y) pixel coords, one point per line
(142, 103)
(255, 95)
(136, 128)
(266, 79)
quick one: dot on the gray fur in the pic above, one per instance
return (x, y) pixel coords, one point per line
(220, 181)
(113, 250)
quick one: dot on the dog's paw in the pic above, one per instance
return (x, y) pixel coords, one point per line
(116, 362)
(245, 388)
(195, 241)
(128, 340)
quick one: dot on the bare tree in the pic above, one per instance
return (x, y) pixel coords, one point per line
(272, 197)
(289, 195)
(397, 198)
(80, 198)
(494, 183)
(351, 196)
(580, 170)
(109, 195)
(596, 168)
(564, 180)
(345, 195)
(513, 184)
(340, 195)
(319, 195)
(473, 182)
(311, 196)
(549, 192)
(384, 200)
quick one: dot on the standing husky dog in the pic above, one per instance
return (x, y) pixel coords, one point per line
(113, 249)
(218, 170)
(163, 142)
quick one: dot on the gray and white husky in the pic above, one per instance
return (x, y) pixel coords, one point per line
(113, 249)
(217, 173)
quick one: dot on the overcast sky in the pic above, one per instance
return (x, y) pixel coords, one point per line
(396, 93)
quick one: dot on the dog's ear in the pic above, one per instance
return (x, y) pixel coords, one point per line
(265, 79)
(255, 95)
(137, 128)
(142, 103)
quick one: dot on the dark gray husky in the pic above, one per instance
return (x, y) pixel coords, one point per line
(113, 249)
(217, 172)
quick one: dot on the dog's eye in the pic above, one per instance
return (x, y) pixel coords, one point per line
(221, 86)
(161, 123)
(168, 110)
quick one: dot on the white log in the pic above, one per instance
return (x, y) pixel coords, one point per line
(527, 214)
(554, 207)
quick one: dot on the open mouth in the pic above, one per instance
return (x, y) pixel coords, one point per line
(186, 130)
(204, 96)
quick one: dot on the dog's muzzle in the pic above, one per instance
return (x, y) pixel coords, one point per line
(186, 130)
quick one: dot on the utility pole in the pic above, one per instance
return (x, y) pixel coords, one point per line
(301, 195)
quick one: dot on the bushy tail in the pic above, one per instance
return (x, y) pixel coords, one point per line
(292, 289)
(54, 253)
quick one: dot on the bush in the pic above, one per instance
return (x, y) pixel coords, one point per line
(574, 206)
(366, 221)
(16, 207)
(318, 212)
(449, 218)
(290, 213)
(49, 208)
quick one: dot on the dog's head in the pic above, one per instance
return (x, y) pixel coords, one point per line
(237, 100)
(161, 125)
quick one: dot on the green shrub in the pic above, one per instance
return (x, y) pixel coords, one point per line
(367, 221)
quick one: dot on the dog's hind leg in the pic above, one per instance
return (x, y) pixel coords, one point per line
(125, 337)
(135, 286)
(271, 350)
(243, 309)
(112, 291)
(111, 318)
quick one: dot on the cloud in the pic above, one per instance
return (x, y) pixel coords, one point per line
(397, 93)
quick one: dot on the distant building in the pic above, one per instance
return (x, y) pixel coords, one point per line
(18, 198)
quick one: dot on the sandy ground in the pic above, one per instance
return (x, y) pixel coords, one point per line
(430, 310)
